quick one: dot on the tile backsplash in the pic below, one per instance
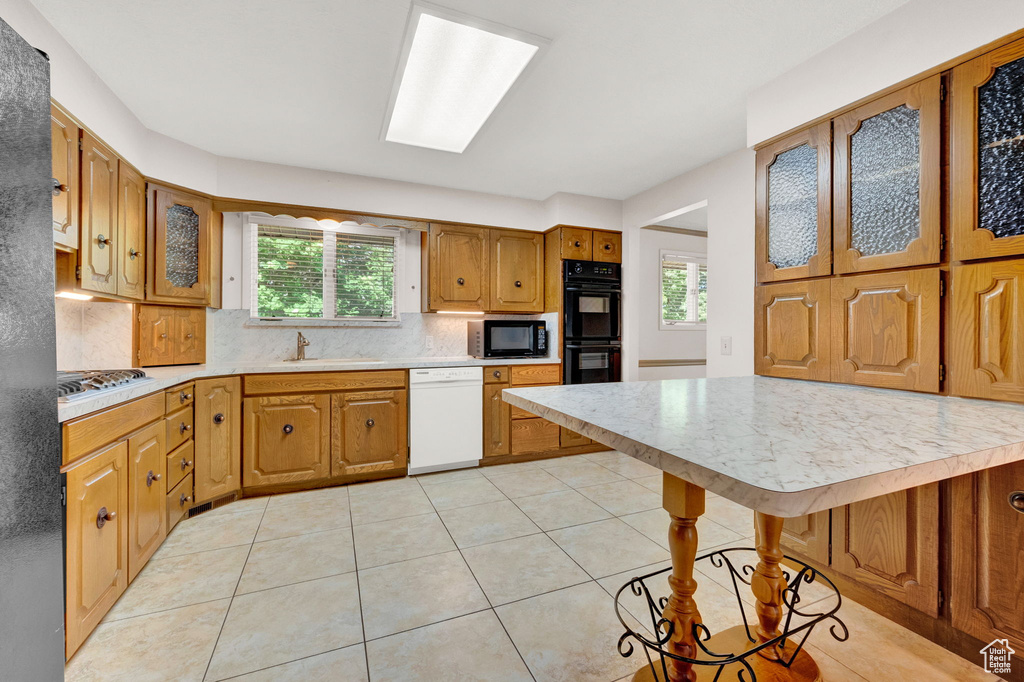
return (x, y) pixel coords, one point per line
(419, 335)
(93, 335)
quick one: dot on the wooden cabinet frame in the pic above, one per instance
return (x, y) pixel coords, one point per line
(819, 138)
(792, 330)
(926, 97)
(967, 241)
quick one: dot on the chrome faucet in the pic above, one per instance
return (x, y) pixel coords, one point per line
(300, 348)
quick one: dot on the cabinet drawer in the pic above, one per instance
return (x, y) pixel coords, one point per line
(533, 435)
(520, 413)
(179, 500)
(607, 247)
(577, 244)
(88, 434)
(180, 463)
(535, 375)
(309, 382)
(179, 396)
(179, 427)
(496, 375)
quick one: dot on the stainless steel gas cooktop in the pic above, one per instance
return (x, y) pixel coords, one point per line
(72, 386)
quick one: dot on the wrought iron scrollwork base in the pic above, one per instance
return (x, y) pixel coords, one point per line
(797, 624)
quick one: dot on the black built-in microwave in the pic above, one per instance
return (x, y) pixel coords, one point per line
(507, 339)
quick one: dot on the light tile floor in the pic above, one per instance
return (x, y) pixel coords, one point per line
(500, 573)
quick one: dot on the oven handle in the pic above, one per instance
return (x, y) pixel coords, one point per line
(596, 289)
(595, 346)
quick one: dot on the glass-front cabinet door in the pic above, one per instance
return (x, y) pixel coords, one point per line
(888, 164)
(986, 156)
(179, 248)
(794, 210)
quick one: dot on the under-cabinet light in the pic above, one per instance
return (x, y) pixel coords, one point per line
(73, 296)
(460, 312)
(453, 72)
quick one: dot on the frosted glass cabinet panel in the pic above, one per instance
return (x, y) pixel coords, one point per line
(887, 157)
(179, 247)
(794, 210)
(987, 155)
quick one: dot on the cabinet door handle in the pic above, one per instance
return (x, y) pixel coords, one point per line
(370, 423)
(183, 499)
(288, 428)
(185, 396)
(103, 241)
(150, 477)
(607, 247)
(133, 254)
(102, 516)
(218, 418)
(58, 187)
(496, 374)
(188, 336)
(460, 281)
(164, 335)
(1017, 500)
(576, 244)
(184, 427)
(185, 463)
(518, 284)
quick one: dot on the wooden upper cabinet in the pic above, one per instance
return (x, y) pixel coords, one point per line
(987, 533)
(887, 157)
(190, 336)
(793, 209)
(218, 437)
(496, 421)
(891, 543)
(97, 256)
(577, 243)
(986, 164)
(792, 330)
(164, 335)
(809, 536)
(369, 432)
(885, 330)
(96, 564)
(458, 271)
(131, 232)
(607, 246)
(65, 135)
(178, 247)
(517, 271)
(287, 439)
(147, 493)
(986, 331)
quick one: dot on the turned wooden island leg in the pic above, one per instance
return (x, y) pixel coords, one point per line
(768, 582)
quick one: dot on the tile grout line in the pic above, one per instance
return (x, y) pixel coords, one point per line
(359, 589)
(231, 603)
(477, 580)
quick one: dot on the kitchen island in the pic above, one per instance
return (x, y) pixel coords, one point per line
(781, 448)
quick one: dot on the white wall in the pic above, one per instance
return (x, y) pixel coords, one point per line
(657, 343)
(918, 36)
(728, 186)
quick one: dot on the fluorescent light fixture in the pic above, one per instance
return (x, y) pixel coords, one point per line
(73, 296)
(453, 72)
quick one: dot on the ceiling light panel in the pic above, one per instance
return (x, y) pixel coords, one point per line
(455, 70)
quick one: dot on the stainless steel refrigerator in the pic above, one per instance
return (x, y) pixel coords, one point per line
(31, 510)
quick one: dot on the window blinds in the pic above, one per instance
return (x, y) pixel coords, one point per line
(289, 272)
(684, 285)
(365, 276)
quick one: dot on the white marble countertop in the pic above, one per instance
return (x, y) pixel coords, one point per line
(165, 377)
(787, 447)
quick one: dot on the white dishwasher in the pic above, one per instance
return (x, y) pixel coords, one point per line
(446, 418)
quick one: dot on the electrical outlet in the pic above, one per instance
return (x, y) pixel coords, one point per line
(726, 345)
(430, 342)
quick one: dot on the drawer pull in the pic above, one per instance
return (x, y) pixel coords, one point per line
(607, 247)
(460, 281)
(185, 463)
(102, 516)
(370, 423)
(185, 396)
(288, 428)
(184, 427)
(218, 418)
(496, 374)
(1017, 500)
(150, 477)
(183, 499)
(518, 284)
(576, 244)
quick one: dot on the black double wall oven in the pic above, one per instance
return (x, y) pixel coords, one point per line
(592, 314)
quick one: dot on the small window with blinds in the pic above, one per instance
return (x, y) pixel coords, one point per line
(684, 290)
(310, 273)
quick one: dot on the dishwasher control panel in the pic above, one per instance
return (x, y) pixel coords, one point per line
(442, 374)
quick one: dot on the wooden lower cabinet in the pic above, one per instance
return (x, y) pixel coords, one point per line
(986, 331)
(218, 437)
(179, 500)
(987, 534)
(369, 432)
(891, 544)
(792, 330)
(885, 330)
(97, 541)
(496, 421)
(147, 491)
(287, 439)
(571, 439)
(533, 435)
(808, 536)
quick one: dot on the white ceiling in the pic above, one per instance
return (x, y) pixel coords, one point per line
(627, 95)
